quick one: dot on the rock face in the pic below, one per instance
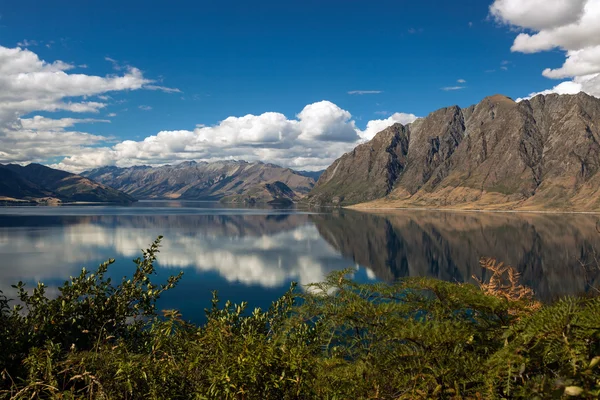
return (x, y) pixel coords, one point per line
(228, 181)
(366, 173)
(542, 153)
(38, 183)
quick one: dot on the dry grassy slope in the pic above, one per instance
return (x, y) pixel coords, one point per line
(203, 181)
(538, 154)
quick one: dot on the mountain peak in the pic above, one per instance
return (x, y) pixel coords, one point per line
(499, 99)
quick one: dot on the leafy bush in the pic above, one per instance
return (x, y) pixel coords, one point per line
(415, 339)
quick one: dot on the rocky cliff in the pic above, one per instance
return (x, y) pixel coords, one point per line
(229, 181)
(542, 153)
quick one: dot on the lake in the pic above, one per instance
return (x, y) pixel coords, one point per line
(253, 254)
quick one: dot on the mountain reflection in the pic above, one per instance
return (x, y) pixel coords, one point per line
(270, 250)
(546, 249)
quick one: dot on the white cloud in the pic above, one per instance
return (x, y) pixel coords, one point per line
(42, 123)
(324, 121)
(588, 84)
(163, 89)
(375, 126)
(579, 62)
(115, 64)
(360, 92)
(111, 114)
(450, 88)
(461, 81)
(569, 25)
(529, 14)
(321, 133)
(145, 108)
(28, 43)
(29, 84)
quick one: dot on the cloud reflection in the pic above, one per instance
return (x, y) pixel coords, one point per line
(253, 250)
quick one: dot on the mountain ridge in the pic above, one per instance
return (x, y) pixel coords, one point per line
(229, 181)
(538, 154)
(37, 183)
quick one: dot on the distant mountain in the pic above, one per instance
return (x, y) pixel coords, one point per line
(38, 183)
(14, 186)
(228, 181)
(542, 153)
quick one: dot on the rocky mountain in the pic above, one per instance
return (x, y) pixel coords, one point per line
(228, 181)
(38, 183)
(542, 153)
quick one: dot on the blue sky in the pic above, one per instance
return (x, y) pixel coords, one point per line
(233, 58)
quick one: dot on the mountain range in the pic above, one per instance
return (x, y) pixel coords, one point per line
(541, 153)
(228, 181)
(37, 183)
(537, 154)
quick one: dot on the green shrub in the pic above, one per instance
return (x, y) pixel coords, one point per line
(415, 339)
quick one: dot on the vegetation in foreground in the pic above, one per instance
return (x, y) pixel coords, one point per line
(415, 339)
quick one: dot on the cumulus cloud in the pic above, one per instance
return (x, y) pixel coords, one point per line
(319, 134)
(145, 108)
(325, 121)
(375, 126)
(526, 13)
(29, 84)
(572, 26)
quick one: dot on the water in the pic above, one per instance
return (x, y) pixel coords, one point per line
(254, 254)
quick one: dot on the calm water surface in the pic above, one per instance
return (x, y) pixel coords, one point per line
(254, 254)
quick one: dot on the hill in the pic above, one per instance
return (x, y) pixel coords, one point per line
(38, 183)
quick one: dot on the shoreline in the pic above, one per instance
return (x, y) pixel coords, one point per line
(374, 209)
